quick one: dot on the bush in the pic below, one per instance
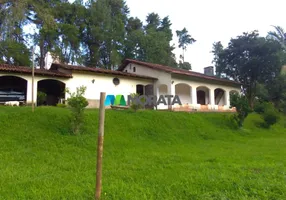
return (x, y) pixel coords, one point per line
(282, 107)
(61, 105)
(135, 106)
(77, 102)
(242, 108)
(260, 107)
(270, 116)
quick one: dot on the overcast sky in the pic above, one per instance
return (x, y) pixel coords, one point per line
(213, 20)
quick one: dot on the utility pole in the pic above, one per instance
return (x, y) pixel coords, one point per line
(33, 74)
(100, 146)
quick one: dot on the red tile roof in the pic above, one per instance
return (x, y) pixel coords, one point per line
(55, 66)
(174, 70)
(28, 70)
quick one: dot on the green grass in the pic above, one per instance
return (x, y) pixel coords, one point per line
(147, 155)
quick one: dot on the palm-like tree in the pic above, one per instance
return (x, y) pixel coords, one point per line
(279, 35)
(184, 40)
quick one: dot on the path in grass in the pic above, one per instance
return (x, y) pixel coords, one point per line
(147, 155)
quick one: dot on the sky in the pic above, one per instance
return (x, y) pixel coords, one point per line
(209, 21)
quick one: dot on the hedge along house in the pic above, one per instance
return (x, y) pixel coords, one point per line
(195, 90)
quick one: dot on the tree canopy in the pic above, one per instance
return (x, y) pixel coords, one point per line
(95, 33)
(251, 60)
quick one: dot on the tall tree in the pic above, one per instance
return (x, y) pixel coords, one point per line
(153, 21)
(133, 47)
(156, 41)
(279, 34)
(105, 33)
(12, 42)
(71, 25)
(185, 39)
(217, 50)
(96, 33)
(185, 65)
(250, 59)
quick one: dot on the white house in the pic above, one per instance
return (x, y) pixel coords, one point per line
(196, 90)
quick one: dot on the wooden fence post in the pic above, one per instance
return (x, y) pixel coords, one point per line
(100, 146)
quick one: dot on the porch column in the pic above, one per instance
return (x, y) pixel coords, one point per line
(227, 99)
(157, 90)
(212, 98)
(171, 90)
(29, 92)
(194, 96)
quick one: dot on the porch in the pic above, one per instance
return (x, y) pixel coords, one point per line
(198, 98)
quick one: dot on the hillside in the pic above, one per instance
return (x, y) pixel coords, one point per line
(147, 155)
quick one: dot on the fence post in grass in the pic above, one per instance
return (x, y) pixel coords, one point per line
(33, 77)
(100, 146)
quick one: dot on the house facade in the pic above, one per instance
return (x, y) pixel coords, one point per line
(196, 91)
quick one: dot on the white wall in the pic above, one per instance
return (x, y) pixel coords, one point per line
(104, 83)
(162, 90)
(163, 77)
(184, 93)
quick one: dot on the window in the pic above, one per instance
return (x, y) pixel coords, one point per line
(134, 69)
(116, 81)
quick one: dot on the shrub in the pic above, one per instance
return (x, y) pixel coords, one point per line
(270, 116)
(77, 102)
(135, 106)
(260, 107)
(282, 107)
(41, 98)
(242, 108)
(61, 105)
(232, 121)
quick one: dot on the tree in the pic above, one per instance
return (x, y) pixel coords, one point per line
(150, 43)
(105, 33)
(12, 42)
(185, 65)
(95, 33)
(242, 108)
(279, 35)
(217, 50)
(184, 40)
(276, 90)
(14, 53)
(77, 103)
(250, 59)
(153, 21)
(70, 28)
(133, 44)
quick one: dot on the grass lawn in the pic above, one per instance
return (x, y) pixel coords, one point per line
(147, 155)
